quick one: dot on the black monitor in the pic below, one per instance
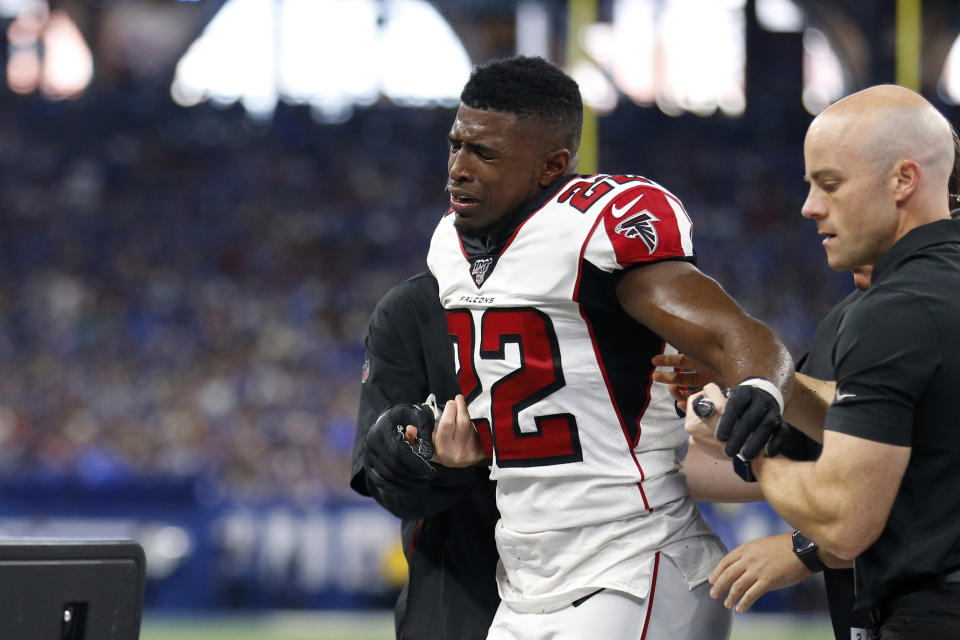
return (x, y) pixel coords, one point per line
(59, 589)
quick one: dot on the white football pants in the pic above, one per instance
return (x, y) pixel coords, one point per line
(678, 613)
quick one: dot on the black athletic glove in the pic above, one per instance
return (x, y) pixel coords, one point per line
(391, 457)
(750, 420)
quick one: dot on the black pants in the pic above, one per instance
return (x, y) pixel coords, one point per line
(921, 615)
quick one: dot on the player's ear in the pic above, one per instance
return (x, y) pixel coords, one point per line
(904, 179)
(554, 165)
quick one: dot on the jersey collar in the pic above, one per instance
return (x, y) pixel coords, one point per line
(915, 240)
(494, 243)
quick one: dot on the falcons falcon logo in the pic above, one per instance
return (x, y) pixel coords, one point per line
(640, 225)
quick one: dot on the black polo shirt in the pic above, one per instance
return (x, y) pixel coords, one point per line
(897, 360)
(818, 363)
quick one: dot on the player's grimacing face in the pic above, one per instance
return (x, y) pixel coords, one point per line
(848, 199)
(493, 167)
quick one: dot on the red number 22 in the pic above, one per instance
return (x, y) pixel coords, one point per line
(556, 439)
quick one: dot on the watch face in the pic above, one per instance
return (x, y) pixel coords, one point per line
(806, 550)
(741, 466)
(801, 544)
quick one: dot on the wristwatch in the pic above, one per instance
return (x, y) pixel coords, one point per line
(741, 466)
(806, 550)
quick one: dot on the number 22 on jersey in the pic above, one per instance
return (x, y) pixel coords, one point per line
(555, 439)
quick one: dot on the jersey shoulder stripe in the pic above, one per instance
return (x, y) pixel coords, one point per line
(641, 222)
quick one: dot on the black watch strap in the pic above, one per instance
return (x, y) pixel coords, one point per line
(806, 550)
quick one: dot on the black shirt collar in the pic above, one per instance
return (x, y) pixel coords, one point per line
(494, 242)
(915, 240)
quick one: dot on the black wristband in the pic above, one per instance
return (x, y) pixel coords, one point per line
(806, 550)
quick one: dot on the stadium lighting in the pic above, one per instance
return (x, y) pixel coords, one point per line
(683, 55)
(782, 16)
(949, 85)
(331, 54)
(690, 56)
(823, 80)
(47, 52)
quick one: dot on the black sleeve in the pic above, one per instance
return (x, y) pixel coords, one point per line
(885, 355)
(408, 356)
(818, 363)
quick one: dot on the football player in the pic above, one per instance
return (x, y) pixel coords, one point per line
(559, 288)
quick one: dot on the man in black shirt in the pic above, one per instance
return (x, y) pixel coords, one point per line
(776, 562)
(448, 514)
(782, 560)
(884, 488)
(779, 561)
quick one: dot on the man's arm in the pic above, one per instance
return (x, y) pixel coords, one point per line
(759, 566)
(693, 313)
(713, 480)
(885, 357)
(843, 499)
(807, 409)
(408, 356)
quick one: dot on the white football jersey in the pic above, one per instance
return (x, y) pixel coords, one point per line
(586, 449)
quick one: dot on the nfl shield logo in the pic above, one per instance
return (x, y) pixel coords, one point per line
(479, 270)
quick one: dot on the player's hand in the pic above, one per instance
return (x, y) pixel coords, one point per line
(455, 439)
(683, 376)
(681, 371)
(702, 429)
(750, 419)
(754, 568)
(390, 455)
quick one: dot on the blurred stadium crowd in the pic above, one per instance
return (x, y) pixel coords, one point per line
(185, 292)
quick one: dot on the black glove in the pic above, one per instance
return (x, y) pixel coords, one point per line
(390, 456)
(750, 419)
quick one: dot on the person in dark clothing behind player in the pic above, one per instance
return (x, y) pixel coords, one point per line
(448, 514)
(882, 491)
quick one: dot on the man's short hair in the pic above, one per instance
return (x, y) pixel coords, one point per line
(529, 87)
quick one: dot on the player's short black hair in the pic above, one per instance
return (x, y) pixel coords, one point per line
(529, 87)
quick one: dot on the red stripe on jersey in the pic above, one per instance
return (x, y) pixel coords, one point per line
(413, 537)
(613, 400)
(643, 494)
(653, 588)
(679, 204)
(606, 379)
(583, 250)
(646, 402)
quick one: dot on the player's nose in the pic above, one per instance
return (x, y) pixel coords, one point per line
(814, 206)
(457, 167)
